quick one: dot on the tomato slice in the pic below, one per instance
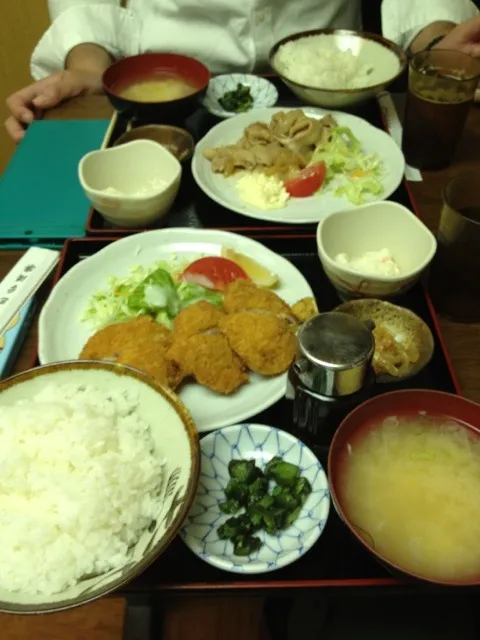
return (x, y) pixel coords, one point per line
(213, 272)
(308, 181)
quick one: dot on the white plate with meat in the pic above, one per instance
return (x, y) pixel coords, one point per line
(361, 163)
(90, 305)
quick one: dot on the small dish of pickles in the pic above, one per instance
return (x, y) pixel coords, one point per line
(262, 500)
(233, 93)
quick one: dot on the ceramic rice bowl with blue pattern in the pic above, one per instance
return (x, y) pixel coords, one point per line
(260, 443)
(263, 92)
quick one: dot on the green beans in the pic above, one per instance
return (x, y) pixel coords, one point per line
(249, 489)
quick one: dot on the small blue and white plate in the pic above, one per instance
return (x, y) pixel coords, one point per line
(264, 93)
(261, 443)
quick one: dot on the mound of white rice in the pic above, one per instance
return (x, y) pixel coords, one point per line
(79, 483)
(317, 62)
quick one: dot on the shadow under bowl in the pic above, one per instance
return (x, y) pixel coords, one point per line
(465, 412)
(386, 60)
(149, 66)
(175, 139)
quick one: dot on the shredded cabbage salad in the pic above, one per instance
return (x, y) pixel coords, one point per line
(350, 171)
(156, 291)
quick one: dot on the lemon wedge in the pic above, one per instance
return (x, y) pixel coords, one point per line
(261, 277)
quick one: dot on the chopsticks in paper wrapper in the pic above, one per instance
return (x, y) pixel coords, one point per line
(23, 281)
(395, 129)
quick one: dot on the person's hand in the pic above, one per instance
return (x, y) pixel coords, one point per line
(25, 105)
(464, 37)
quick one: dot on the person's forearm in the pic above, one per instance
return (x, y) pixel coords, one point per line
(89, 57)
(92, 59)
(429, 33)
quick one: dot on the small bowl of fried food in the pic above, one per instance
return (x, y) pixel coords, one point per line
(404, 343)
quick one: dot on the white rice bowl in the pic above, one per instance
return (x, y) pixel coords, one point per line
(97, 471)
(316, 61)
(336, 70)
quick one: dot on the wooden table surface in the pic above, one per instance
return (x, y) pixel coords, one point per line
(463, 340)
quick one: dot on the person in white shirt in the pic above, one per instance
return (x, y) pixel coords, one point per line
(227, 35)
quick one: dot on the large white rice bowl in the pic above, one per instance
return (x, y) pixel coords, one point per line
(336, 69)
(98, 468)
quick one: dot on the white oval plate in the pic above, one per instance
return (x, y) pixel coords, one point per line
(62, 335)
(262, 443)
(297, 210)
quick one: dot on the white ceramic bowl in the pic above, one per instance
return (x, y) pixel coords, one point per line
(132, 185)
(176, 441)
(263, 92)
(380, 225)
(260, 443)
(385, 59)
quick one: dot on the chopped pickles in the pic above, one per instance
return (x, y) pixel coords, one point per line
(272, 511)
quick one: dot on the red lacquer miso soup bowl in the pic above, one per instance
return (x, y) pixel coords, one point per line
(404, 470)
(156, 87)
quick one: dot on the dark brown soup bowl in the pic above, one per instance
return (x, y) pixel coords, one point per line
(147, 66)
(398, 403)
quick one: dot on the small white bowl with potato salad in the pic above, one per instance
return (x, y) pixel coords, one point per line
(378, 251)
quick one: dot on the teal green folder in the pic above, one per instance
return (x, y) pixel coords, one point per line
(41, 200)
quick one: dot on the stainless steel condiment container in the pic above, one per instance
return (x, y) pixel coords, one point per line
(331, 374)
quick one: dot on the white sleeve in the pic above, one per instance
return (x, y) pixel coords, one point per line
(403, 19)
(101, 22)
(56, 7)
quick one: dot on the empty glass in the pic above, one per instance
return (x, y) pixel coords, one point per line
(455, 271)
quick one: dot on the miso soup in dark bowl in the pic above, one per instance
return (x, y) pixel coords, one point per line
(156, 87)
(404, 474)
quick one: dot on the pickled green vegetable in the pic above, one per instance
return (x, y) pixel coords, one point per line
(238, 101)
(272, 511)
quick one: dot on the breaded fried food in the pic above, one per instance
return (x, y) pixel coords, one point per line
(197, 318)
(244, 295)
(141, 343)
(210, 360)
(263, 341)
(305, 309)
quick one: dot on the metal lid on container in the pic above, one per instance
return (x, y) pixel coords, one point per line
(335, 354)
(336, 341)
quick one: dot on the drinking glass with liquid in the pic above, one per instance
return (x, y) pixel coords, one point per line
(455, 272)
(441, 89)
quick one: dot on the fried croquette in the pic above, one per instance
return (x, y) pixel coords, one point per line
(244, 295)
(197, 318)
(264, 342)
(210, 360)
(141, 343)
(305, 309)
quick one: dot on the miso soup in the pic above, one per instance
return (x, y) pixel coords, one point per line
(158, 89)
(411, 487)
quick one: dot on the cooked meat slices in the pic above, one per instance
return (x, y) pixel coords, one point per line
(244, 295)
(264, 342)
(210, 360)
(305, 309)
(141, 343)
(197, 318)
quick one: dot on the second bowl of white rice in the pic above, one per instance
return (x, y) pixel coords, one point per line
(337, 69)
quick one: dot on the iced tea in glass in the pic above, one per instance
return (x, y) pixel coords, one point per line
(441, 89)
